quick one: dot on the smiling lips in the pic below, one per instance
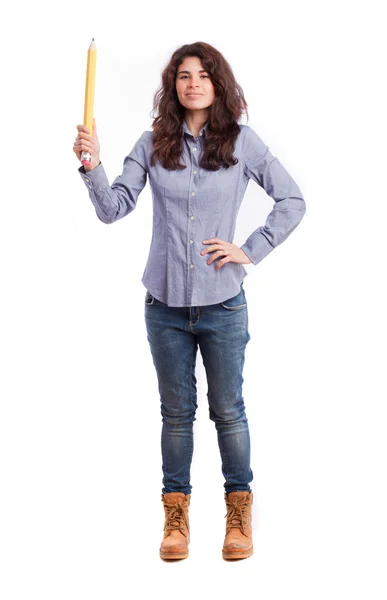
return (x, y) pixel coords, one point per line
(194, 95)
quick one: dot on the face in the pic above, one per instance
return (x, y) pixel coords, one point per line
(191, 78)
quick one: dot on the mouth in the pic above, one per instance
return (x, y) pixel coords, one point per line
(194, 95)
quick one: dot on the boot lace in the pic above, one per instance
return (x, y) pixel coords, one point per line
(175, 517)
(236, 514)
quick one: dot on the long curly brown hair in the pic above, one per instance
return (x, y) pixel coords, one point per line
(222, 129)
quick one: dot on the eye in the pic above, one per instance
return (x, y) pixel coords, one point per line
(184, 76)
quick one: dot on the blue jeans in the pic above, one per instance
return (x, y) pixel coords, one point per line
(221, 330)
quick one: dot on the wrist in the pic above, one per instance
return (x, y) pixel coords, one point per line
(91, 167)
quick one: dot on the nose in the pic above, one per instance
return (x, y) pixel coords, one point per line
(193, 84)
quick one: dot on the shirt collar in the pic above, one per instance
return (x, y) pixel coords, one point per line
(186, 130)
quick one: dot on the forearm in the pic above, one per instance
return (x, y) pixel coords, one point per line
(118, 200)
(282, 220)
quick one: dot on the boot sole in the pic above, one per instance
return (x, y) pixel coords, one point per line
(171, 556)
(236, 555)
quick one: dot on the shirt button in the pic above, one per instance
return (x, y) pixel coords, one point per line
(194, 172)
(191, 266)
(192, 218)
(89, 185)
(193, 149)
(200, 133)
(87, 179)
(191, 241)
(193, 194)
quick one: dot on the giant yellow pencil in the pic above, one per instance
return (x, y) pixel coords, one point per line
(89, 96)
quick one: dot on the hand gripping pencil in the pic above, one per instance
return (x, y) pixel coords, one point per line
(89, 96)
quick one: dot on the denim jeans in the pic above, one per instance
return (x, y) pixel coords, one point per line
(221, 330)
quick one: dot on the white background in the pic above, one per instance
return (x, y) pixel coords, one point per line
(80, 464)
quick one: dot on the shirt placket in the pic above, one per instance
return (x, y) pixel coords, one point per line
(194, 146)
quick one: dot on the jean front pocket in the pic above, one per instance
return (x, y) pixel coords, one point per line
(149, 299)
(237, 302)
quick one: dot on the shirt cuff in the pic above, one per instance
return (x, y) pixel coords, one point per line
(257, 247)
(96, 178)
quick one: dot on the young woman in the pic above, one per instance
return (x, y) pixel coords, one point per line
(199, 160)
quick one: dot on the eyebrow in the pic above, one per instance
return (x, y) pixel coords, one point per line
(201, 71)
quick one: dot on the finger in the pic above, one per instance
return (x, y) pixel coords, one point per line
(83, 128)
(224, 260)
(83, 136)
(81, 146)
(215, 256)
(210, 248)
(84, 140)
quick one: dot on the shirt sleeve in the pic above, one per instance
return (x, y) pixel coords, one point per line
(289, 207)
(118, 200)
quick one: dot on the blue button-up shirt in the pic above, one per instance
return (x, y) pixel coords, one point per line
(195, 204)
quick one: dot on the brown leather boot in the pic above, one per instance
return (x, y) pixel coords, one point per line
(238, 542)
(176, 527)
